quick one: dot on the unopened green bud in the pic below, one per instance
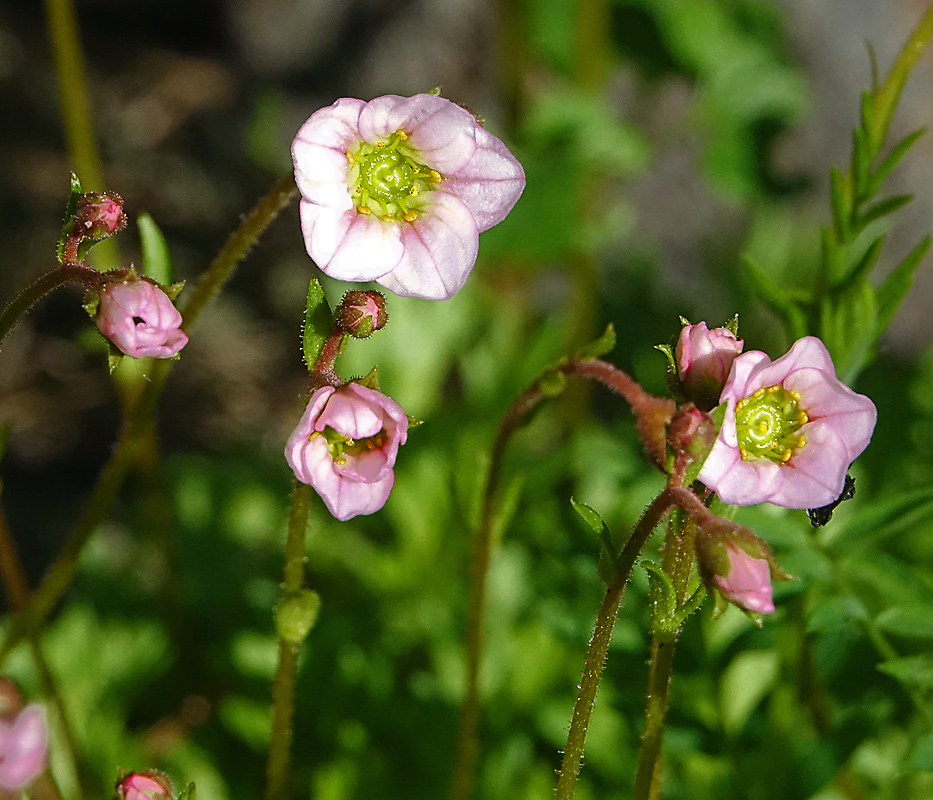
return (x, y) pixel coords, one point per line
(296, 615)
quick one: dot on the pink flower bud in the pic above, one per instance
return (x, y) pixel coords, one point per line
(149, 785)
(99, 215)
(361, 313)
(747, 583)
(704, 358)
(345, 447)
(24, 748)
(138, 317)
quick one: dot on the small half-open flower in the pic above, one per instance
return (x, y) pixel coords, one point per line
(140, 319)
(345, 447)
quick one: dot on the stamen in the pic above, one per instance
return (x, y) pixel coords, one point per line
(364, 209)
(411, 216)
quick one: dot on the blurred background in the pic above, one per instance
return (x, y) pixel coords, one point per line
(661, 140)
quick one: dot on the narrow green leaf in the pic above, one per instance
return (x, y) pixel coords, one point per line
(663, 596)
(914, 672)
(318, 323)
(609, 554)
(600, 347)
(156, 258)
(590, 516)
(891, 160)
(914, 622)
(878, 210)
(861, 164)
(776, 298)
(864, 265)
(840, 195)
(892, 292)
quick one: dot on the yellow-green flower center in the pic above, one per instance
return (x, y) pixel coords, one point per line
(388, 179)
(340, 446)
(768, 423)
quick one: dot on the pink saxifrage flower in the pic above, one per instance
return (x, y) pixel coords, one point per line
(24, 748)
(704, 358)
(397, 190)
(144, 786)
(138, 317)
(748, 582)
(790, 432)
(345, 447)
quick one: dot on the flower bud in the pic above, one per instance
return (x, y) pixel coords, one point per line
(99, 215)
(704, 359)
(739, 564)
(150, 785)
(361, 313)
(24, 748)
(296, 615)
(139, 318)
(691, 433)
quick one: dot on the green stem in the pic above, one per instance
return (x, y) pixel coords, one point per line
(599, 644)
(137, 420)
(283, 689)
(650, 413)
(678, 563)
(39, 288)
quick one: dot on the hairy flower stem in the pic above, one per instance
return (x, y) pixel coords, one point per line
(137, 422)
(652, 414)
(283, 689)
(599, 644)
(678, 563)
(39, 288)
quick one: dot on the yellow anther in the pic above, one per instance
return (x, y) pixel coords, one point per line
(413, 191)
(411, 216)
(402, 135)
(340, 461)
(435, 176)
(364, 209)
(785, 456)
(773, 389)
(740, 405)
(350, 157)
(794, 395)
(380, 144)
(801, 441)
(358, 190)
(387, 218)
(744, 453)
(759, 394)
(802, 418)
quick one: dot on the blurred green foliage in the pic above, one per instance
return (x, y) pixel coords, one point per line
(166, 646)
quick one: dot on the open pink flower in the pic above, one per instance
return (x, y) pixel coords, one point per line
(748, 582)
(345, 447)
(24, 748)
(138, 317)
(397, 190)
(791, 430)
(704, 358)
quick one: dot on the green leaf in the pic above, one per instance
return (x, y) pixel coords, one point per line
(156, 258)
(319, 322)
(187, 793)
(663, 601)
(892, 292)
(70, 208)
(776, 298)
(591, 517)
(914, 622)
(840, 194)
(848, 327)
(861, 162)
(745, 682)
(864, 265)
(880, 209)
(914, 672)
(600, 347)
(878, 522)
(891, 160)
(608, 554)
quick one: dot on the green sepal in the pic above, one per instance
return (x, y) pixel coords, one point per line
(187, 793)
(413, 422)
(91, 302)
(114, 357)
(319, 321)
(436, 91)
(892, 292)
(172, 290)
(671, 373)
(552, 383)
(370, 380)
(156, 258)
(733, 326)
(891, 160)
(600, 347)
(70, 209)
(296, 615)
